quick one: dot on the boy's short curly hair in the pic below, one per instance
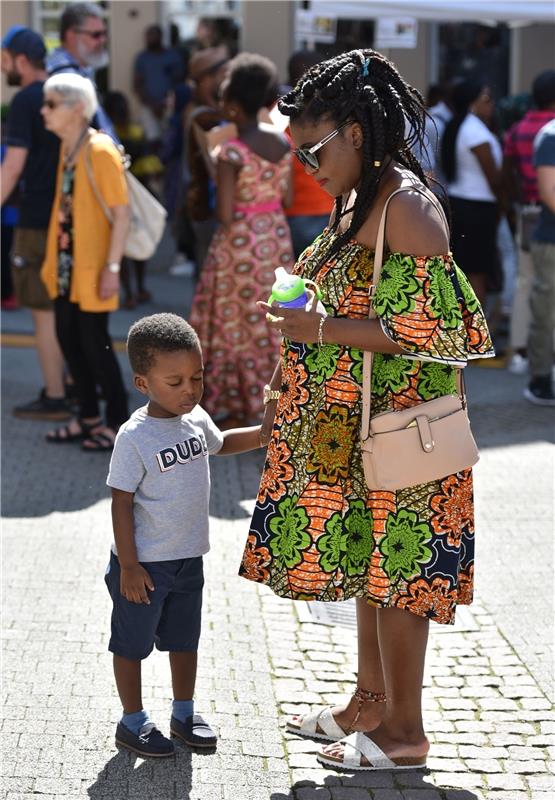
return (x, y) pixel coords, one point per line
(159, 333)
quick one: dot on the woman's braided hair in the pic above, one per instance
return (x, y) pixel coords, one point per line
(362, 85)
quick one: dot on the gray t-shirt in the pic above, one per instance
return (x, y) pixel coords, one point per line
(164, 462)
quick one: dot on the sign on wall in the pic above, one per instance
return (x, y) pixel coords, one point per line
(312, 27)
(396, 32)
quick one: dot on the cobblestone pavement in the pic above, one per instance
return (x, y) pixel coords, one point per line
(488, 696)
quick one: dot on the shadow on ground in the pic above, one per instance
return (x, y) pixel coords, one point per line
(400, 786)
(126, 775)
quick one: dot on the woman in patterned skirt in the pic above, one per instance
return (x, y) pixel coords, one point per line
(317, 532)
(253, 239)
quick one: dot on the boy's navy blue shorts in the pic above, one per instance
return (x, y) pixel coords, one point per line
(171, 621)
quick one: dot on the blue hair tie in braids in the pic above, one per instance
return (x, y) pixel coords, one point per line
(365, 67)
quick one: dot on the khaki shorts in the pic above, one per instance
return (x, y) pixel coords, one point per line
(28, 250)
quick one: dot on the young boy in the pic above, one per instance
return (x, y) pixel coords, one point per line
(160, 483)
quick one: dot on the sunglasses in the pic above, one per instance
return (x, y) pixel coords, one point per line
(307, 155)
(93, 34)
(52, 104)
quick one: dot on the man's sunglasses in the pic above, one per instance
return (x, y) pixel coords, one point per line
(307, 155)
(93, 34)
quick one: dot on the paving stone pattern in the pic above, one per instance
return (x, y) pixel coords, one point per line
(488, 708)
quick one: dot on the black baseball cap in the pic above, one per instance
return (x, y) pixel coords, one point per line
(24, 41)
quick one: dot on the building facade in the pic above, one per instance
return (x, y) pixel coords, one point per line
(425, 50)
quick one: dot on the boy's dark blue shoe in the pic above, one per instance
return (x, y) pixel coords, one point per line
(194, 731)
(149, 743)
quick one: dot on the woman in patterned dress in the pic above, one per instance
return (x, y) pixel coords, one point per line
(317, 532)
(253, 239)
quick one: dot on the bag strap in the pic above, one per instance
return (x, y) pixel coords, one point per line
(94, 186)
(368, 355)
(90, 173)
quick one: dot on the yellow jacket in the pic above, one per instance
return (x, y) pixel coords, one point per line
(91, 229)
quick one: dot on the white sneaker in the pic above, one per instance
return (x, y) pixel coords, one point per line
(518, 365)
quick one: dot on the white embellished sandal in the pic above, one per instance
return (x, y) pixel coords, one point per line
(358, 745)
(320, 724)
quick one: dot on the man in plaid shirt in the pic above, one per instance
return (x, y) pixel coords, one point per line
(520, 178)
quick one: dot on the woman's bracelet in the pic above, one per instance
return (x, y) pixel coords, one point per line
(321, 331)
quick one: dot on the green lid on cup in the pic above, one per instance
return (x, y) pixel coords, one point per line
(286, 287)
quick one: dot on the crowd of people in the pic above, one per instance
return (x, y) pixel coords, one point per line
(496, 187)
(288, 379)
(490, 182)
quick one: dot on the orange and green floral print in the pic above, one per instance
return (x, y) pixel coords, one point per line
(397, 287)
(391, 373)
(405, 545)
(436, 380)
(443, 299)
(427, 306)
(294, 394)
(277, 470)
(317, 532)
(322, 361)
(435, 599)
(357, 364)
(290, 535)
(348, 541)
(256, 561)
(332, 444)
(454, 508)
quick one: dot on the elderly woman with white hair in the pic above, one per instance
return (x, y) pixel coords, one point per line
(83, 256)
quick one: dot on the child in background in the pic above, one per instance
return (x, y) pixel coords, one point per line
(147, 167)
(160, 481)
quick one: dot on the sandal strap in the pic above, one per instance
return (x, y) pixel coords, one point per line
(358, 745)
(323, 719)
(102, 441)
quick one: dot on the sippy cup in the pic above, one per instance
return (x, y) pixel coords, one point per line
(291, 291)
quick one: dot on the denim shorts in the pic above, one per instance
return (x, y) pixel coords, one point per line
(171, 621)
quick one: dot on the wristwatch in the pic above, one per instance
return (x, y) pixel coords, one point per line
(270, 394)
(113, 267)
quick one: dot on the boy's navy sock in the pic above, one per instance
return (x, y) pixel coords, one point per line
(136, 721)
(182, 709)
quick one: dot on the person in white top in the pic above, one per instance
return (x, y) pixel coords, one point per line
(471, 160)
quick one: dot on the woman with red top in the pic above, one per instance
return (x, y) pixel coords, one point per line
(310, 210)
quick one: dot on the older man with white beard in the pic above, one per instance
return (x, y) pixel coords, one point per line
(83, 34)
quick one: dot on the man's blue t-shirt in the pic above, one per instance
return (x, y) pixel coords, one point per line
(38, 181)
(544, 156)
(159, 71)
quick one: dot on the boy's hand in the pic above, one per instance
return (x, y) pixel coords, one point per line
(134, 582)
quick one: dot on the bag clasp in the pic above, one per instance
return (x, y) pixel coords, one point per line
(426, 436)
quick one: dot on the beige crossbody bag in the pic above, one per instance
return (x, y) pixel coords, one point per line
(419, 444)
(147, 218)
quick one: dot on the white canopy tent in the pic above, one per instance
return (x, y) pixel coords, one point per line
(510, 11)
